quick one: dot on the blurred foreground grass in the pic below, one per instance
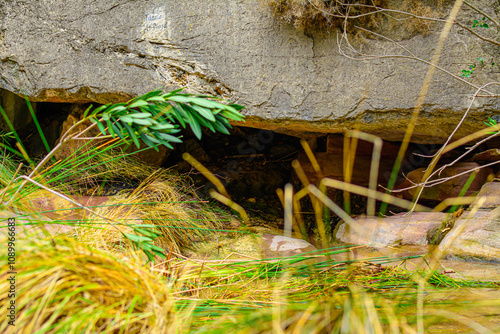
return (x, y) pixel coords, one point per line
(64, 286)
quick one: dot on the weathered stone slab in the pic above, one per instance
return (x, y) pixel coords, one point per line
(290, 80)
(474, 237)
(391, 231)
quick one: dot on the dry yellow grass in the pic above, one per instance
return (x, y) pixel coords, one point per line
(65, 287)
(181, 217)
(162, 198)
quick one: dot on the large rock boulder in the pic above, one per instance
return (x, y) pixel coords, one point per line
(290, 80)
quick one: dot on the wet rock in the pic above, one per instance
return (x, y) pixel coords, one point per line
(450, 188)
(474, 237)
(393, 231)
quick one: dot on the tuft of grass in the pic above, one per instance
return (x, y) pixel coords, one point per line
(163, 200)
(65, 287)
(355, 312)
(7, 169)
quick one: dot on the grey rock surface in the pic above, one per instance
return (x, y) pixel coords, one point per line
(290, 80)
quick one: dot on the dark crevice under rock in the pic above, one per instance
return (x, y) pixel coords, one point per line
(252, 163)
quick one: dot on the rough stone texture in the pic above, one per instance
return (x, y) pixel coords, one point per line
(49, 210)
(290, 80)
(49, 205)
(488, 197)
(475, 237)
(71, 146)
(251, 246)
(25, 229)
(391, 231)
(450, 188)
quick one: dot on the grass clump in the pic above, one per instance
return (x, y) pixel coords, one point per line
(65, 287)
(164, 200)
(161, 199)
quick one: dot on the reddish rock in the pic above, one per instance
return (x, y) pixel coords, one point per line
(448, 189)
(71, 146)
(54, 207)
(490, 155)
(28, 226)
